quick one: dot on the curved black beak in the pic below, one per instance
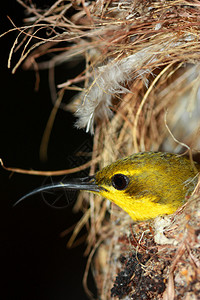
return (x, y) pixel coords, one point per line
(86, 183)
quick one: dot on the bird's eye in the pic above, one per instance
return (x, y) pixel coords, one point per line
(120, 181)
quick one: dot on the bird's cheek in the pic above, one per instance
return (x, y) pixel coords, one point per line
(104, 193)
(113, 196)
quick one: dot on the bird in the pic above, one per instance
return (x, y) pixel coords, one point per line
(145, 184)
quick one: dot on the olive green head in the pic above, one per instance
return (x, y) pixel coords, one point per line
(145, 185)
(148, 184)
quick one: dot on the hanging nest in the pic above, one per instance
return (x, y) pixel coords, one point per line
(139, 91)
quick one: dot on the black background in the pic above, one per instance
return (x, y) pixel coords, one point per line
(35, 263)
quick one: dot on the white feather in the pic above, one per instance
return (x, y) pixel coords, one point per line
(109, 81)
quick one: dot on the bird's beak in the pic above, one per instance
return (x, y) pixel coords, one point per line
(81, 184)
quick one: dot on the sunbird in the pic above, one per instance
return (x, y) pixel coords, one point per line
(145, 185)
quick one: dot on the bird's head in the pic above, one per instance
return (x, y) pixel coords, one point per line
(145, 185)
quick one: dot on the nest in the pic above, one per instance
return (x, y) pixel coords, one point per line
(139, 91)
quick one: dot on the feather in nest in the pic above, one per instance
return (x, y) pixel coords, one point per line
(109, 81)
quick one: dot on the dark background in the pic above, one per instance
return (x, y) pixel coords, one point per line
(35, 263)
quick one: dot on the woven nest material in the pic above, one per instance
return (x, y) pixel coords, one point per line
(140, 91)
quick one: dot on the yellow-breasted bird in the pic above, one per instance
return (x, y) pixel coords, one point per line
(145, 185)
